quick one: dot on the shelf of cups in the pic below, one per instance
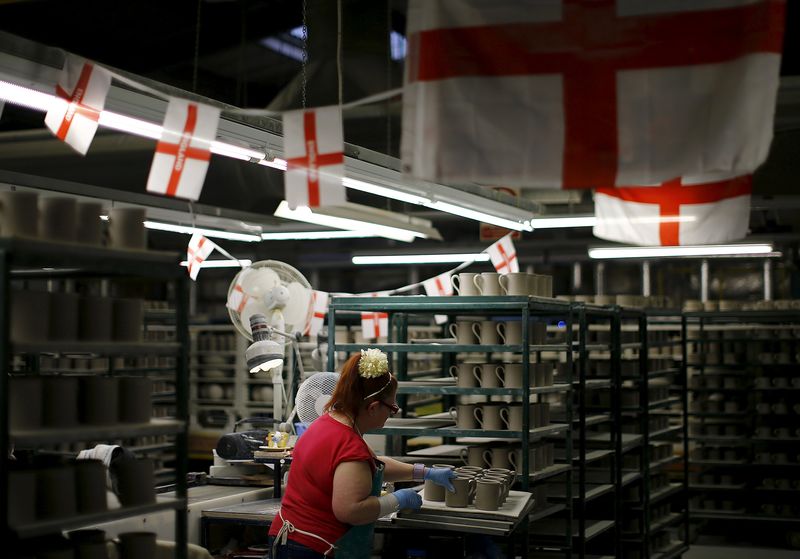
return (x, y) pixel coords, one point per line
(667, 402)
(536, 433)
(738, 515)
(97, 348)
(452, 348)
(223, 380)
(666, 433)
(56, 525)
(653, 374)
(405, 388)
(458, 304)
(775, 439)
(73, 257)
(80, 433)
(591, 456)
(594, 384)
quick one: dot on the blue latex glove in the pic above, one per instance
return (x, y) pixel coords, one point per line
(408, 499)
(441, 476)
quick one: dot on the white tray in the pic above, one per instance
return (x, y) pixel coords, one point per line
(517, 504)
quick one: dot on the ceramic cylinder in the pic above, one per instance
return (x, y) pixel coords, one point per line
(19, 214)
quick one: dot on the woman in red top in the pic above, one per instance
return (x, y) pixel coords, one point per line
(332, 494)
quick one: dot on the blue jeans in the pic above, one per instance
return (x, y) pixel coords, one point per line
(294, 550)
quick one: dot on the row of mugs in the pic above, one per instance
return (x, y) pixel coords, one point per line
(38, 316)
(486, 489)
(75, 488)
(59, 218)
(500, 375)
(67, 401)
(489, 332)
(540, 456)
(499, 416)
(493, 284)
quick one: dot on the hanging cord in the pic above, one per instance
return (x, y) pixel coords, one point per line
(196, 47)
(339, 48)
(304, 61)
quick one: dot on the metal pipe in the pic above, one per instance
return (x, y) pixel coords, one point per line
(704, 280)
(767, 279)
(413, 277)
(576, 277)
(599, 278)
(646, 278)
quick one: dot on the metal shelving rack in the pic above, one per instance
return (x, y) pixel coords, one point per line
(744, 462)
(34, 259)
(523, 308)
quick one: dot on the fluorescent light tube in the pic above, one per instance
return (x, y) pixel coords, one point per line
(25, 97)
(276, 163)
(420, 258)
(673, 251)
(479, 216)
(222, 263)
(384, 191)
(211, 233)
(559, 222)
(352, 217)
(311, 235)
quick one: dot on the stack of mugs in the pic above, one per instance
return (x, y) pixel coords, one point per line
(494, 284)
(483, 488)
(540, 456)
(64, 219)
(477, 374)
(500, 416)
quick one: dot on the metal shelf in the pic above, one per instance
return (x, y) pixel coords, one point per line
(456, 304)
(97, 348)
(556, 528)
(669, 431)
(451, 348)
(665, 462)
(592, 492)
(417, 387)
(674, 550)
(550, 471)
(717, 487)
(96, 432)
(594, 384)
(544, 513)
(653, 405)
(538, 432)
(663, 493)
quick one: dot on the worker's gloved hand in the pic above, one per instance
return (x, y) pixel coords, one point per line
(441, 476)
(408, 499)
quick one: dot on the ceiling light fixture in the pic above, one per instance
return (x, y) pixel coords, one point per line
(479, 216)
(354, 217)
(211, 233)
(222, 263)
(420, 258)
(314, 235)
(761, 250)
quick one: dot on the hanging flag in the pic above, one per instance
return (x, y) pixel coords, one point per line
(439, 286)
(182, 154)
(237, 298)
(80, 97)
(197, 252)
(375, 325)
(504, 255)
(576, 94)
(314, 147)
(318, 308)
(688, 211)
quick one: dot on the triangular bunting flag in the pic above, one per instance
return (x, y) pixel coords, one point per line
(197, 252)
(440, 285)
(375, 325)
(317, 311)
(504, 255)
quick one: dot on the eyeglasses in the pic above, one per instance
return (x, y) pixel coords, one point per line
(394, 409)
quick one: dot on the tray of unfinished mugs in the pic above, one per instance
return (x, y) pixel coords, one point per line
(478, 373)
(478, 491)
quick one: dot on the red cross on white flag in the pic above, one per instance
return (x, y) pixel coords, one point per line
(197, 252)
(314, 148)
(375, 325)
(688, 211)
(80, 97)
(440, 285)
(504, 255)
(182, 154)
(578, 93)
(237, 298)
(318, 308)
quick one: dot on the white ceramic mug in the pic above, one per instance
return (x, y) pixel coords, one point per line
(95, 319)
(463, 375)
(19, 214)
(58, 218)
(464, 284)
(488, 333)
(488, 494)
(99, 397)
(30, 316)
(135, 399)
(515, 283)
(464, 416)
(126, 228)
(64, 316)
(60, 402)
(497, 457)
(488, 417)
(89, 224)
(510, 332)
(463, 332)
(474, 456)
(128, 320)
(490, 375)
(488, 283)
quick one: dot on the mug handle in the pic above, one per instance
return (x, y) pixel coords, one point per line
(512, 455)
(500, 373)
(453, 328)
(455, 283)
(501, 330)
(503, 281)
(504, 417)
(476, 329)
(453, 413)
(464, 454)
(453, 370)
(476, 414)
(476, 372)
(487, 458)
(478, 284)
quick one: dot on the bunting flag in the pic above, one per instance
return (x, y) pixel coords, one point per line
(375, 325)
(688, 211)
(237, 298)
(317, 311)
(80, 97)
(504, 255)
(197, 252)
(183, 152)
(576, 94)
(440, 285)
(314, 147)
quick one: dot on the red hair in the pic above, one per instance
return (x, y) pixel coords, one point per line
(352, 389)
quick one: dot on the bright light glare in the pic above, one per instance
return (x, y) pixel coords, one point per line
(479, 216)
(267, 365)
(313, 235)
(420, 258)
(212, 233)
(384, 191)
(671, 251)
(222, 263)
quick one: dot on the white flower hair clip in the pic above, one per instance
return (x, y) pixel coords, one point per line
(373, 363)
